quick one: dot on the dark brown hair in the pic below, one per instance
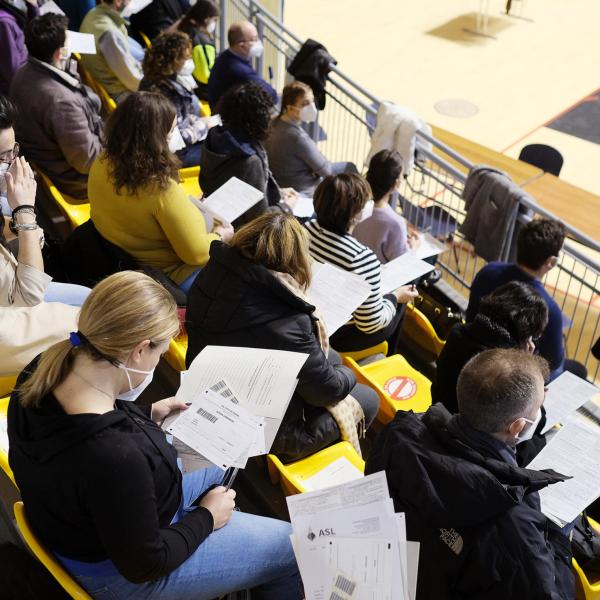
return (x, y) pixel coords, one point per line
(384, 169)
(202, 10)
(136, 148)
(538, 241)
(292, 92)
(338, 199)
(166, 56)
(277, 241)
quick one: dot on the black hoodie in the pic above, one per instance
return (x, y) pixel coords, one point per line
(234, 302)
(477, 516)
(100, 487)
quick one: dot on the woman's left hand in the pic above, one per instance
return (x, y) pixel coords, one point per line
(163, 408)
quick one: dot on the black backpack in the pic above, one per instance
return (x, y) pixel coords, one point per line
(585, 544)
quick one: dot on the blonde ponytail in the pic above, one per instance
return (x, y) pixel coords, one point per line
(121, 311)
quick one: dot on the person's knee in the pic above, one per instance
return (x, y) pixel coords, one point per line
(369, 400)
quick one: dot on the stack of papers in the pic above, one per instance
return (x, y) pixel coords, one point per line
(336, 293)
(573, 451)
(402, 270)
(564, 396)
(428, 247)
(349, 543)
(232, 200)
(238, 399)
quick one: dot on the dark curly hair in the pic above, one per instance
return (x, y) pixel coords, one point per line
(136, 148)
(45, 34)
(246, 112)
(166, 56)
(518, 308)
(538, 241)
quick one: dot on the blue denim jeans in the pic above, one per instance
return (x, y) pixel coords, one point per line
(250, 552)
(67, 293)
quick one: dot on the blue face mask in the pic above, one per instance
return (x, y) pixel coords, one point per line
(134, 392)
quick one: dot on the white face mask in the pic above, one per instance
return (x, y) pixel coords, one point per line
(134, 392)
(309, 113)
(3, 169)
(211, 27)
(188, 68)
(176, 142)
(531, 430)
(256, 49)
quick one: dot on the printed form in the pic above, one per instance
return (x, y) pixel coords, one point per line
(232, 200)
(402, 270)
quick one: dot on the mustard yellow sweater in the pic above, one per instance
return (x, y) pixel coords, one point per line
(159, 228)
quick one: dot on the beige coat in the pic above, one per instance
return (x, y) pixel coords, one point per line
(28, 325)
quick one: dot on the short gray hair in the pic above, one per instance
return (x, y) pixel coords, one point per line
(498, 386)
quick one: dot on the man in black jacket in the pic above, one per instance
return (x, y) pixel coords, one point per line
(474, 511)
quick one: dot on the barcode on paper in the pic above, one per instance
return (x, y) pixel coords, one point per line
(343, 588)
(207, 415)
(224, 391)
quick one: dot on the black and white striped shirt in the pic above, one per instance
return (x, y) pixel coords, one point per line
(347, 253)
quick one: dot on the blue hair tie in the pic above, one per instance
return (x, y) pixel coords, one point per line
(75, 339)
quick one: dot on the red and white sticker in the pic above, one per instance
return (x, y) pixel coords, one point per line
(400, 387)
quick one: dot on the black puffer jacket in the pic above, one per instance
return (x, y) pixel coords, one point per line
(464, 342)
(234, 302)
(476, 516)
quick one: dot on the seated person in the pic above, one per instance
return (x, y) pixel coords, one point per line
(538, 245)
(339, 201)
(14, 16)
(76, 11)
(136, 200)
(200, 23)
(253, 293)
(512, 316)
(158, 16)
(233, 66)
(123, 519)
(236, 149)
(167, 68)
(385, 231)
(58, 123)
(28, 325)
(114, 66)
(475, 512)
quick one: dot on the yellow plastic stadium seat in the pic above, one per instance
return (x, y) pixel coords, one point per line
(175, 357)
(586, 589)
(145, 39)
(56, 570)
(189, 180)
(206, 112)
(291, 477)
(4, 451)
(7, 384)
(399, 386)
(108, 103)
(360, 354)
(419, 329)
(76, 211)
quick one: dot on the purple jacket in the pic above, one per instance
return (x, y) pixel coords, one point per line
(13, 52)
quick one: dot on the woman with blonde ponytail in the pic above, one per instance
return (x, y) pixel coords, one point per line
(100, 482)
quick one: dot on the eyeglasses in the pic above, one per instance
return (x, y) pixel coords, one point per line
(10, 155)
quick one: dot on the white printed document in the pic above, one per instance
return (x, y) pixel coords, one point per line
(232, 200)
(336, 293)
(402, 270)
(263, 380)
(565, 395)
(304, 207)
(428, 247)
(51, 7)
(573, 451)
(218, 428)
(339, 471)
(82, 43)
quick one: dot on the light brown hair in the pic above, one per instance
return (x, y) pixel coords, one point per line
(338, 200)
(136, 148)
(292, 92)
(120, 312)
(278, 242)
